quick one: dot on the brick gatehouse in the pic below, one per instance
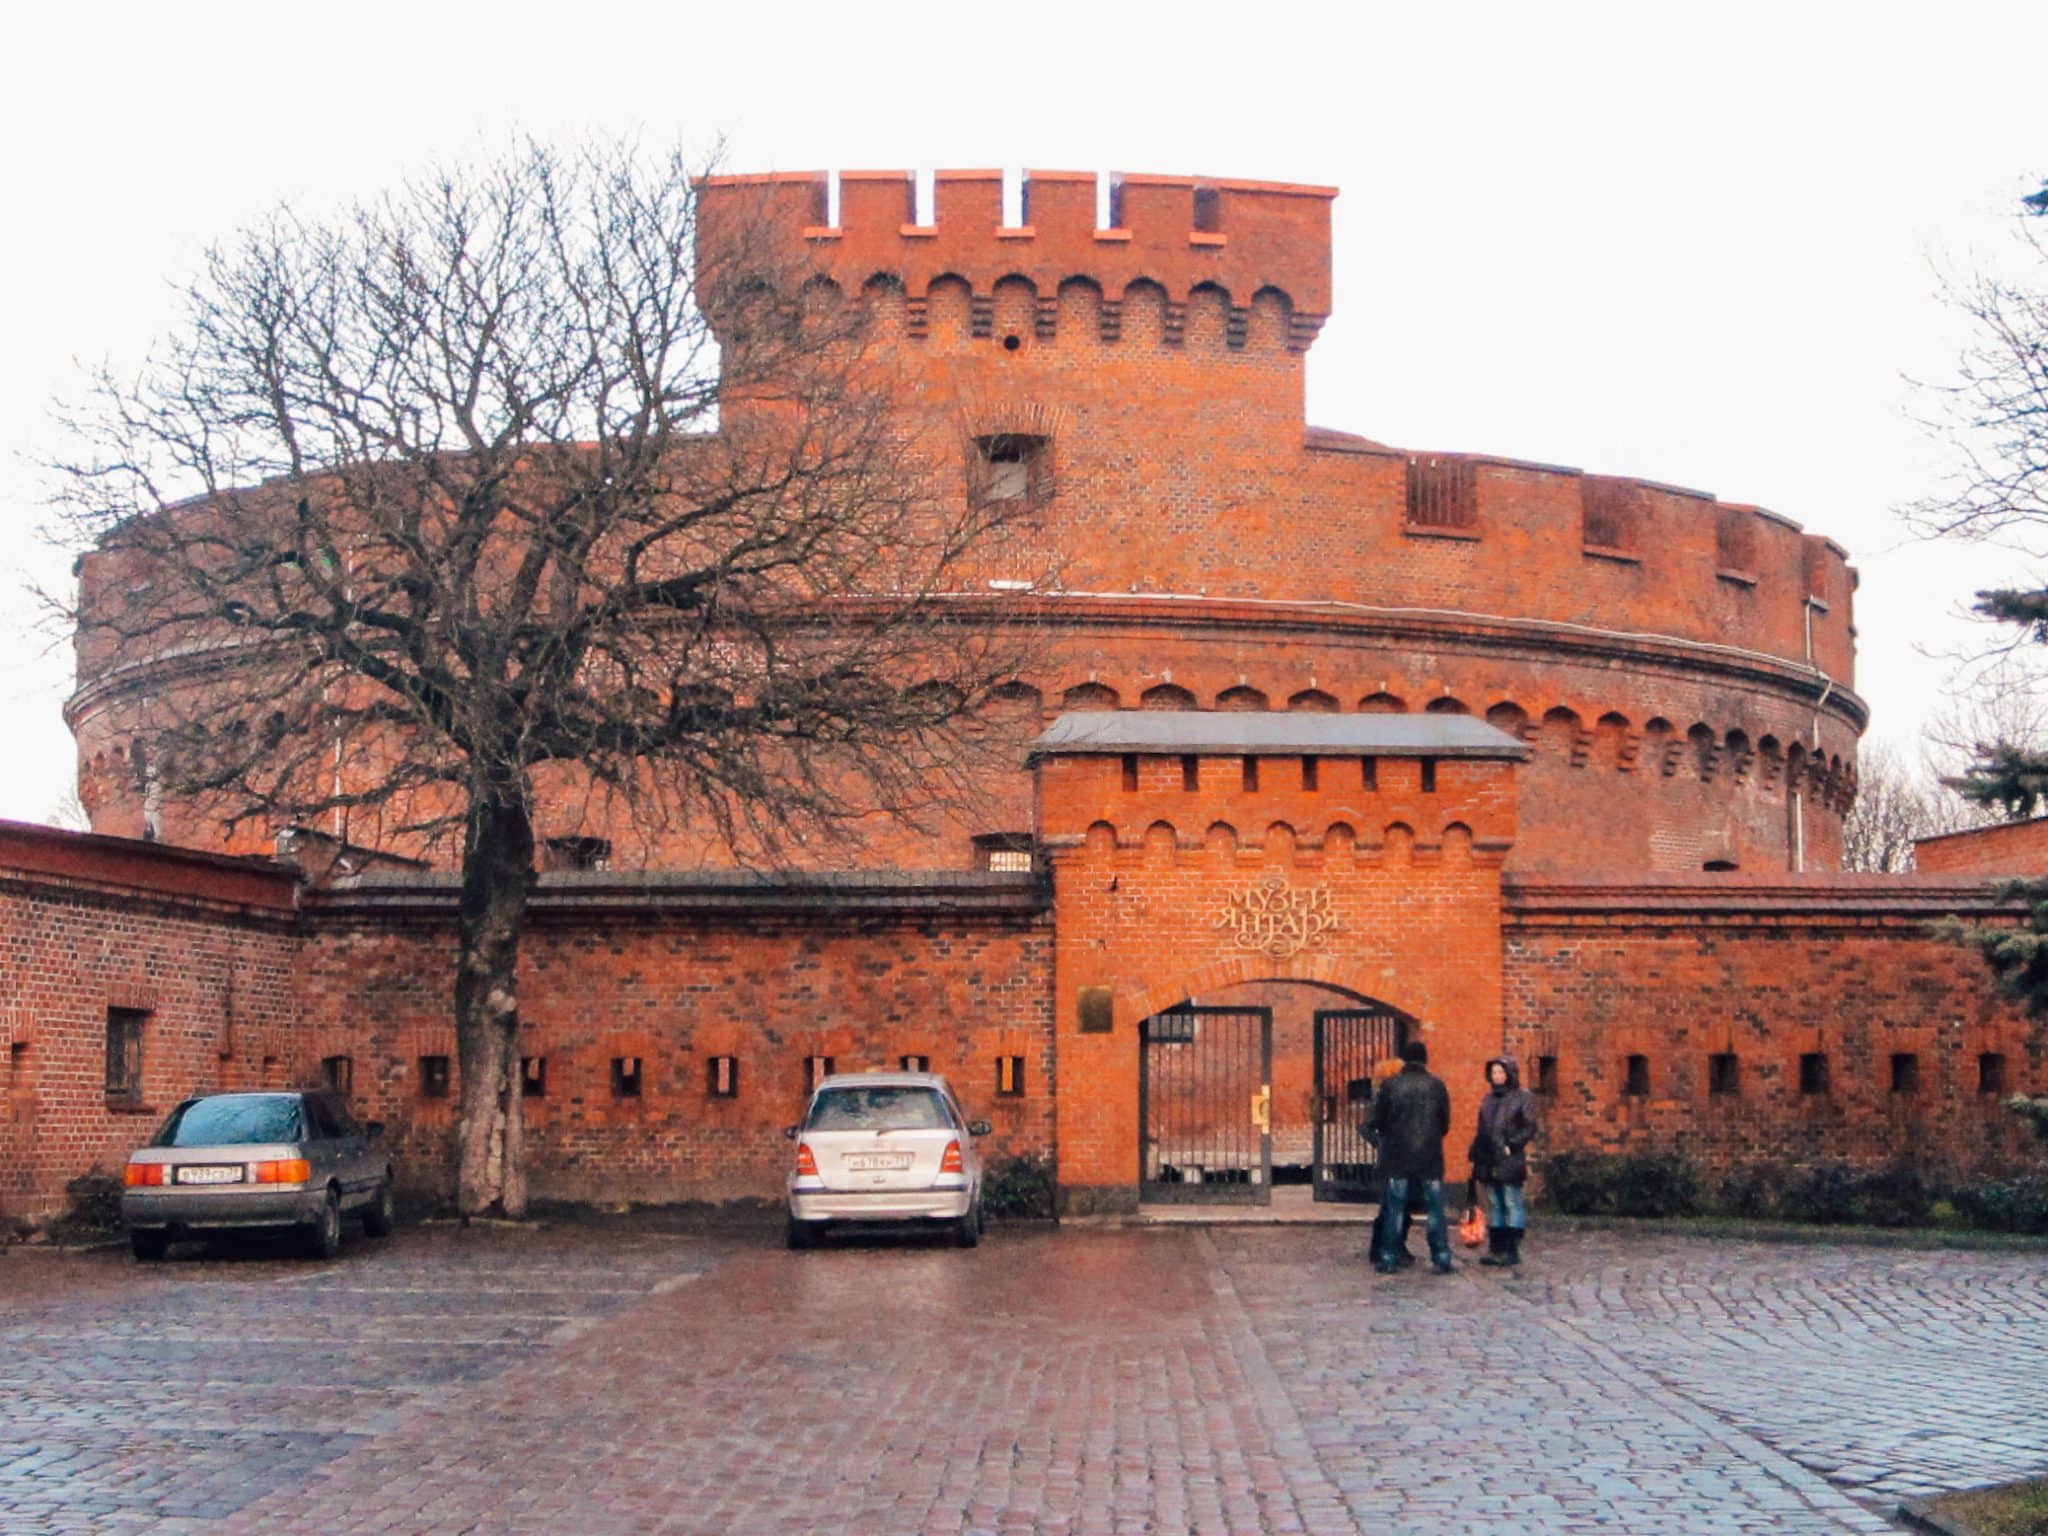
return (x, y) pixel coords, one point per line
(1331, 742)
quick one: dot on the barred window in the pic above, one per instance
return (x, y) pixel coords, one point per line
(1442, 493)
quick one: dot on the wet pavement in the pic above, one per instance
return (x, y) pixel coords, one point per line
(1226, 1379)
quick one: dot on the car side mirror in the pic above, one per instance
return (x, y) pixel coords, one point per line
(979, 1128)
(789, 1132)
(374, 1131)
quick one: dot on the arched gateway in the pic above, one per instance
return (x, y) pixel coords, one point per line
(1194, 852)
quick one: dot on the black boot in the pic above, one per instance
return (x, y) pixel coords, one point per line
(1513, 1236)
(1496, 1248)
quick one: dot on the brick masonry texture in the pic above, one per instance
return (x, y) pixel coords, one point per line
(1686, 681)
(1673, 677)
(2018, 849)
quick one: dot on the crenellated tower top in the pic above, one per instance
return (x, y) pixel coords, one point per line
(1236, 240)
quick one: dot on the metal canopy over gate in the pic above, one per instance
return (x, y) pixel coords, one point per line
(1349, 1044)
(1205, 1105)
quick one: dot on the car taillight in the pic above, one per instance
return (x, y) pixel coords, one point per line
(950, 1163)
(284, 1170)
(143, 1173)
(806, 1165)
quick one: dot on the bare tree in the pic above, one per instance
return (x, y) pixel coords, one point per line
(1898, 802)
(1996, 421)
(487, 485)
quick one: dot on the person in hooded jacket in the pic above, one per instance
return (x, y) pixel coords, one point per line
(1500, 1158)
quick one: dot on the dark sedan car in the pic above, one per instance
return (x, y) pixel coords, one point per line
(236, 1161)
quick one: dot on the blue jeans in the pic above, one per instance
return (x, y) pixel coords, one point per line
(1404, 1195)
(1504, 1206)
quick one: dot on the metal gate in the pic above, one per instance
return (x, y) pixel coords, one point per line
(1349, 1044)
(1205, 1105)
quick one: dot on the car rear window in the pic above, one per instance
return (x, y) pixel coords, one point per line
(878, 1109)
(232, 1122)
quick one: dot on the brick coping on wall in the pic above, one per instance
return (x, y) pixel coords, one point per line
(131, 865)
(764, 891)
(1764, 897)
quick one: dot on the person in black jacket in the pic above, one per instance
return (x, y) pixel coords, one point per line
(1500, 1158)
(1410, 1117)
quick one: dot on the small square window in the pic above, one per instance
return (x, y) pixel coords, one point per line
(1905, 1072)
(434, 1076)
(1546, 1076)
(722, 1077)
(338, 1074)
(1813, 1074)
(1010, 469)
(1991, 1073)
(625, 1077)
(915, 1063)
(1636, 1077)
(816, 1070)
(124, 1054)
(1010, 1077)
(533, 1077)
(1724, 1073)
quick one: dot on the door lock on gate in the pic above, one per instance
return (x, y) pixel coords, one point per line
(1262, 1109)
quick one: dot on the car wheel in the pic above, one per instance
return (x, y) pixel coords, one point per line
(377, 1215)
(802, 1234)
(967, 1231)
(148, 1247)
(323, 1238)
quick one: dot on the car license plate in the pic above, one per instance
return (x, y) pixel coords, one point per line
(210, 1173)
(876, 1162)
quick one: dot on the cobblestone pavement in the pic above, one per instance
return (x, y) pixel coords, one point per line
(1090, 1382)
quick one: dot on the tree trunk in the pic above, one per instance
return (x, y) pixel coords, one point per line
(497, 871)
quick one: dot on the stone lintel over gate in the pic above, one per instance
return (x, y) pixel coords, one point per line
(1194, 850)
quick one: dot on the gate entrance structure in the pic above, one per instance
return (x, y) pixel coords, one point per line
(1205, 1106)
(1350, 1043)
(1196, 851)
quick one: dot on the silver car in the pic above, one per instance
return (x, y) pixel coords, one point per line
(232, 1161)
(885, 1146)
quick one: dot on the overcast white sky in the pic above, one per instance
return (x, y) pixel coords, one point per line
(1694, 244)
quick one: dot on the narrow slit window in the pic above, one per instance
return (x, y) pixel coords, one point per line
(1905, 1072)
(338, 1074)
(1813, 1074)
(722, 1077)
(124, 1055)
(434, 1077)
(533, 1077)
(1010, 1077)
(626, 1077)
(1130, 772)
(1546, 1076)
(1724, 1074)
(1429, 775)
(1251, 775)
(1635, 1082)
(1309, 774)
(1991, 1072)
(1190, 774)
(1369, 774)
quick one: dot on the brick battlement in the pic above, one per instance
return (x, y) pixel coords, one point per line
(1239, 240)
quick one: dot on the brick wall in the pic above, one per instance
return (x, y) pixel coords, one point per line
(673, 974)
(202, 948)
(2017, 849)
(1845, 969)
